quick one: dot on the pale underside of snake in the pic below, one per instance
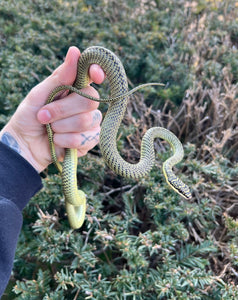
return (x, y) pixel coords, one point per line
(75, 200)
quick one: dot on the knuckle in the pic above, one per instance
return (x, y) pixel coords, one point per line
(56, 76)
(88, 140)
(56, 110)
(82, 152)
(88, 120)
(96, 118)
(93, 93)
(74, 142)
(81, 122)
(54, 127)
(34, 93)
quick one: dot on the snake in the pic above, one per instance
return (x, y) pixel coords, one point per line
(75, 199)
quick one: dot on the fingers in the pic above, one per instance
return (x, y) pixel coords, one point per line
(78, 123)
(65, 74)
(96, 74)
(82, 141)
(80, 131)
(75, 120)
(71, 105)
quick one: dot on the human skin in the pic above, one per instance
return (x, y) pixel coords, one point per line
(75, 120)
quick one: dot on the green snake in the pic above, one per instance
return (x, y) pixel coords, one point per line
(75, 200)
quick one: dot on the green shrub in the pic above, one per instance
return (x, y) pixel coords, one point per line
(140, 240)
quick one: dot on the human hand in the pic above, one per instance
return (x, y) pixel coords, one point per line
(74, 119)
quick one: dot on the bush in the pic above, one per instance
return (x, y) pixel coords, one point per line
(140, 240)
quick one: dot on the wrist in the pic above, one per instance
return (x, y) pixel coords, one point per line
(12, 140)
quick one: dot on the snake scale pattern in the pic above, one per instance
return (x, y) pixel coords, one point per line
(75, 199)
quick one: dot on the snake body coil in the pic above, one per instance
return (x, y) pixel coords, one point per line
(113, 68)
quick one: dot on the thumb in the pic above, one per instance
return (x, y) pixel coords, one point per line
(65, 74)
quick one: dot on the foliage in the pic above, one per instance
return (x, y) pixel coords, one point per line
(140, 240)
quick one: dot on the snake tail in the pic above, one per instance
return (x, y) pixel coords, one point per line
(73, 89)
(75, 200)
(76, 214)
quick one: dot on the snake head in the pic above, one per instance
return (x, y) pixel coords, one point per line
(179, 187)
(175, 183)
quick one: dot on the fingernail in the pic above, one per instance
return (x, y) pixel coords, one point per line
(44, 116)
(98, 71)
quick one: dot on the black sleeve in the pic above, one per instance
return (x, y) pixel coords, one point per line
(19, 181)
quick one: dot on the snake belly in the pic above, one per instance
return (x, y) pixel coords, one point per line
(117, 79)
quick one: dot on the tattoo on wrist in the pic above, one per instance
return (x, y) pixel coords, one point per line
(89, 138)
(10, 141)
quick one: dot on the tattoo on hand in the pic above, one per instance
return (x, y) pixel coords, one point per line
(96, 117)
(89, 138)
(10, 141)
